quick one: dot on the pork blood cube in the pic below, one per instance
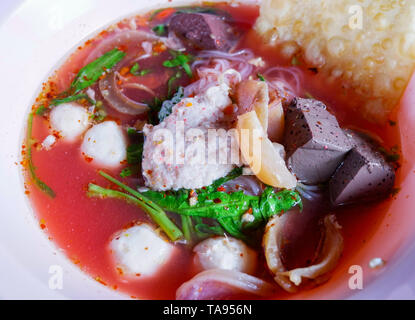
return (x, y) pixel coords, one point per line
(202, 31)
(314, 142)
(364, 173)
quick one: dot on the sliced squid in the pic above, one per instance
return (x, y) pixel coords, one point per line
(116, 99)
(275, 121)
(252, 95)
(256, 119)
(280, 149)
(223, 284)
(130, 40)
(327, 259)
(260, 153)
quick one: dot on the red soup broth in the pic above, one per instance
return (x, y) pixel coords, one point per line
(83, 226)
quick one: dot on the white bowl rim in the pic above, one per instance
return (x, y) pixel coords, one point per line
(26, 273)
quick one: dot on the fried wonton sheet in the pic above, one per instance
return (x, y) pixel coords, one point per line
(367, 45)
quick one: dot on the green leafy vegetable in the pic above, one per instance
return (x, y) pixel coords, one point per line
(129, 171)
(187, 69)
(135, 149)
(41, 110)
(154, 111)
(217, 205)
(171, 82)
(295, 61)
(180, 60)
(203, 230)
(134, 134)
(391, 155)
(89, 74)
(156, 12)
(187, 226)
(395, 191)
(167, 106)
(155, 212)
(213, 202)
(32, 169)
(99, 114)
(227, 208)
(160, 30)
(86, 77)
(162, 109)
(144, 72)
(260, 77)
(134, 153)
(174, 200)
(308, 95)
(272, 202)
(76, 97)
(232, 226)
(135, 70)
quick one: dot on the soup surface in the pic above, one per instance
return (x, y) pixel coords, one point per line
(155, 63)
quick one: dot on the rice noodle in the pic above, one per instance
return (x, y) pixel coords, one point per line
(286, 80)
(111, 92)
(116, 99)
(309, 192)
(213, 67)
(125, 38)
(211, 63)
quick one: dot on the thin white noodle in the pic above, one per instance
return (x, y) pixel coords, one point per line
(212, 68)
(310, 192)
(286, 80)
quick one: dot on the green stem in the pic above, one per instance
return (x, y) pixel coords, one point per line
(130, 190)
(32, 169)
(187, 227)
(76, 97)
(156, 213)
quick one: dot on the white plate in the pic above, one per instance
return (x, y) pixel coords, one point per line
(34, 36)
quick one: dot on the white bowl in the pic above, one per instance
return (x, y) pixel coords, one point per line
(34, 37)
